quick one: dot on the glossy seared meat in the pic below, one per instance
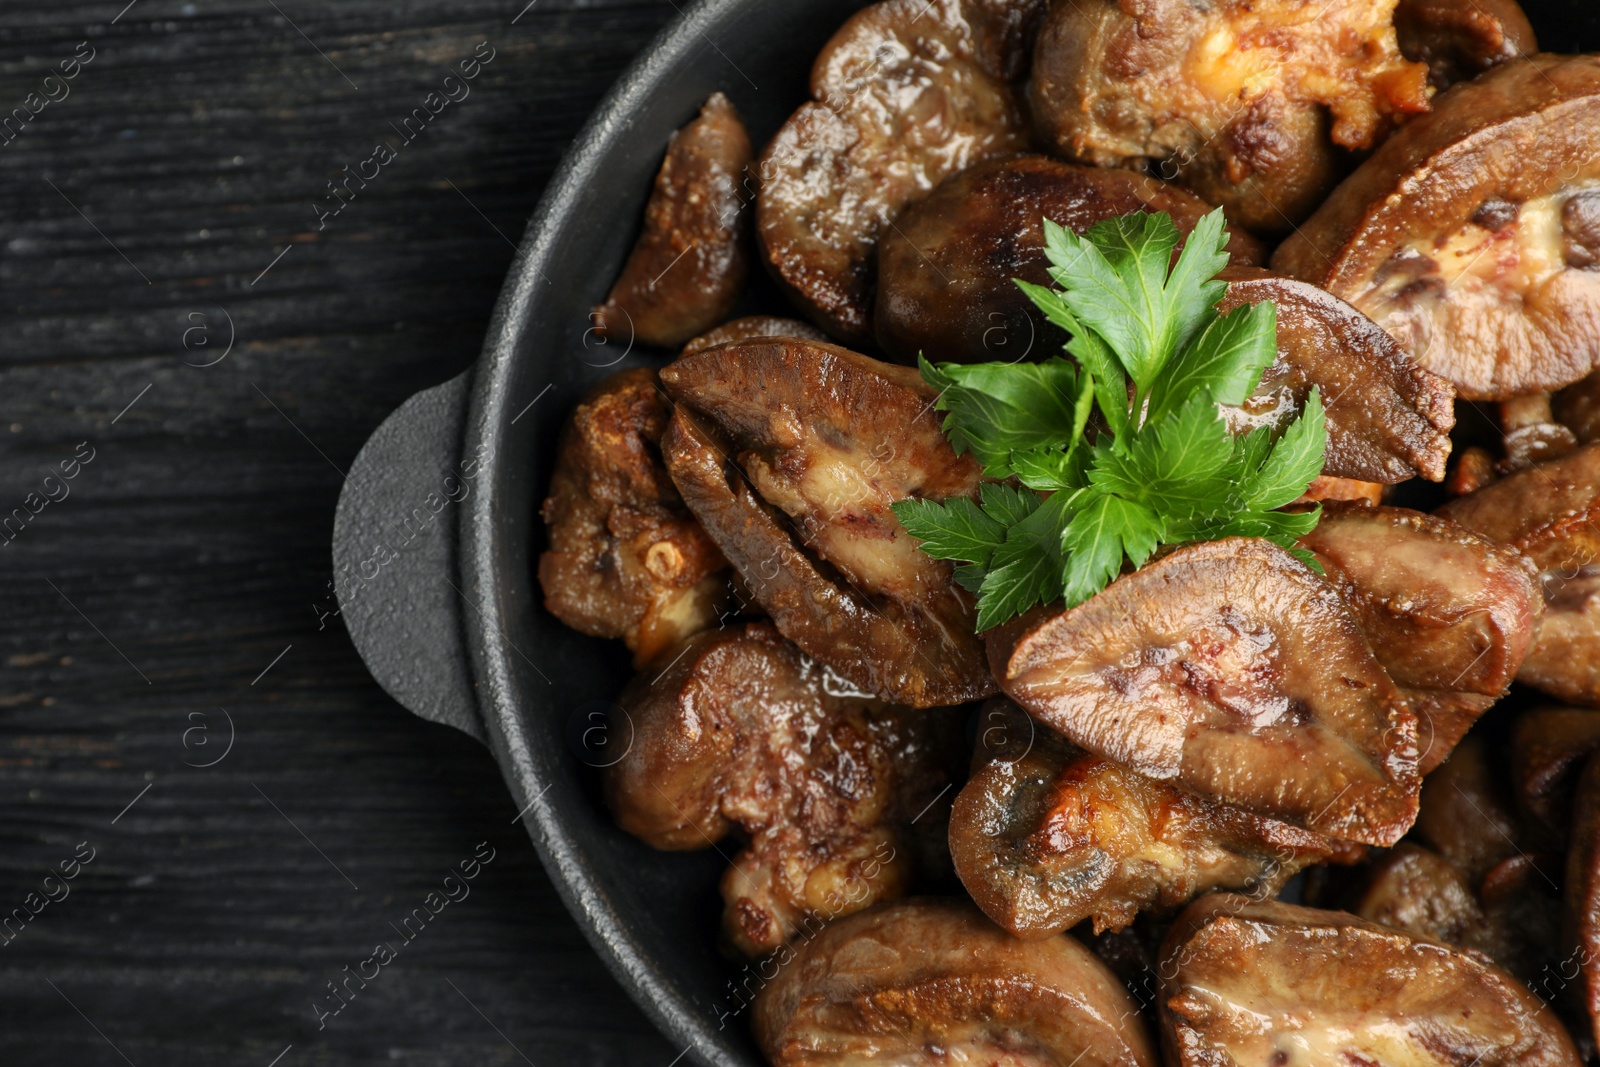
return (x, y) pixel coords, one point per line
(1549, 747)
(751, 327)
(1388, 419)
(945, 270)
(905, 94)
(690, 263)
(626, 559)
(1473, 234)
(1577, 407)
(933, 981)
(1232, 670)
(1460, 39)
(744, 733)
(1450, 614)
(1549, 512)
(1270, 983)
(1046, 835)
(1247, 102)
(1467, 815)
(792, 455)
(1420, 892)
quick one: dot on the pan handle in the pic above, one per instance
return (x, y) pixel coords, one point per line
(394, 556)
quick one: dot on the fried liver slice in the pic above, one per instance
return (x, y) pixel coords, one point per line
(1460, 39)
(750, 327)
(1232, 670)
(946, 268)
(906, 93)
(743, 734)
(791, 453)
(1045, 835)
(1549, 747)
(1450, 614)
(1551, 513)
(1271, 983)
(686, 271)
(924, 981)
(626, 559)
(1250, 103)
(1388, 419)
(1473, 234)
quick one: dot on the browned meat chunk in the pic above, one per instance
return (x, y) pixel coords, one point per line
(685, 273)
(1514, 921)
(1045, 835)
(1460, 39)
(933, 981)
(626, 559)
(1422, 893)
(1577, 407)
(1270, 983)
(751, 327)
(1231, 669)
(906, 93)
(1327, 487)
(1450, 615)
(1247, 102)
(945, 271)
(1468, 234)
(792, 457)
(1388, 419)
(744, 733)
(1531, 433)
(1466, 813)
(1549, 513)
(1549, 747)
(1583, 891)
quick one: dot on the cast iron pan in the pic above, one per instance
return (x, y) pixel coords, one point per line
(437, 530)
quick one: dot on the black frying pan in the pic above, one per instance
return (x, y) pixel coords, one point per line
(437, 531)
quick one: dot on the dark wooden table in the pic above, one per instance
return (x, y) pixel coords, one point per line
(160, 202)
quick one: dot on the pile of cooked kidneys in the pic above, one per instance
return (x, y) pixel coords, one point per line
(1123, 788)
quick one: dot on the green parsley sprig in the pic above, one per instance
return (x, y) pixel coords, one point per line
(1154, 358)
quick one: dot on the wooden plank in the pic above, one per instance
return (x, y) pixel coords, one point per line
(193, 549)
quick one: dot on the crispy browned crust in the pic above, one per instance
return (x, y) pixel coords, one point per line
(625, 559)
(690, 263)
(1231, 669)
(1522, 132)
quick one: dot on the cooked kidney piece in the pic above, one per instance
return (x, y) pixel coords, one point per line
(1473, 234)
(1270, 983)
(945, 270)
(1549, 747)
(1577, 407)
(1250, 103)
(1045, 835)
(690, 263)
(1460, 39)
(1388, 419)
(933, 981)
(1466, 814)
(1450, 614)
(1549, 512)
(1231, 669)
(744, 734)
(626, 559)
(906, 93)
(792, 456)
(750, 327)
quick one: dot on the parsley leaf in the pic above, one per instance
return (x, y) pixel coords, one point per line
(1154, 360)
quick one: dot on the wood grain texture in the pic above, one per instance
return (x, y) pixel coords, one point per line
(193, 548)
